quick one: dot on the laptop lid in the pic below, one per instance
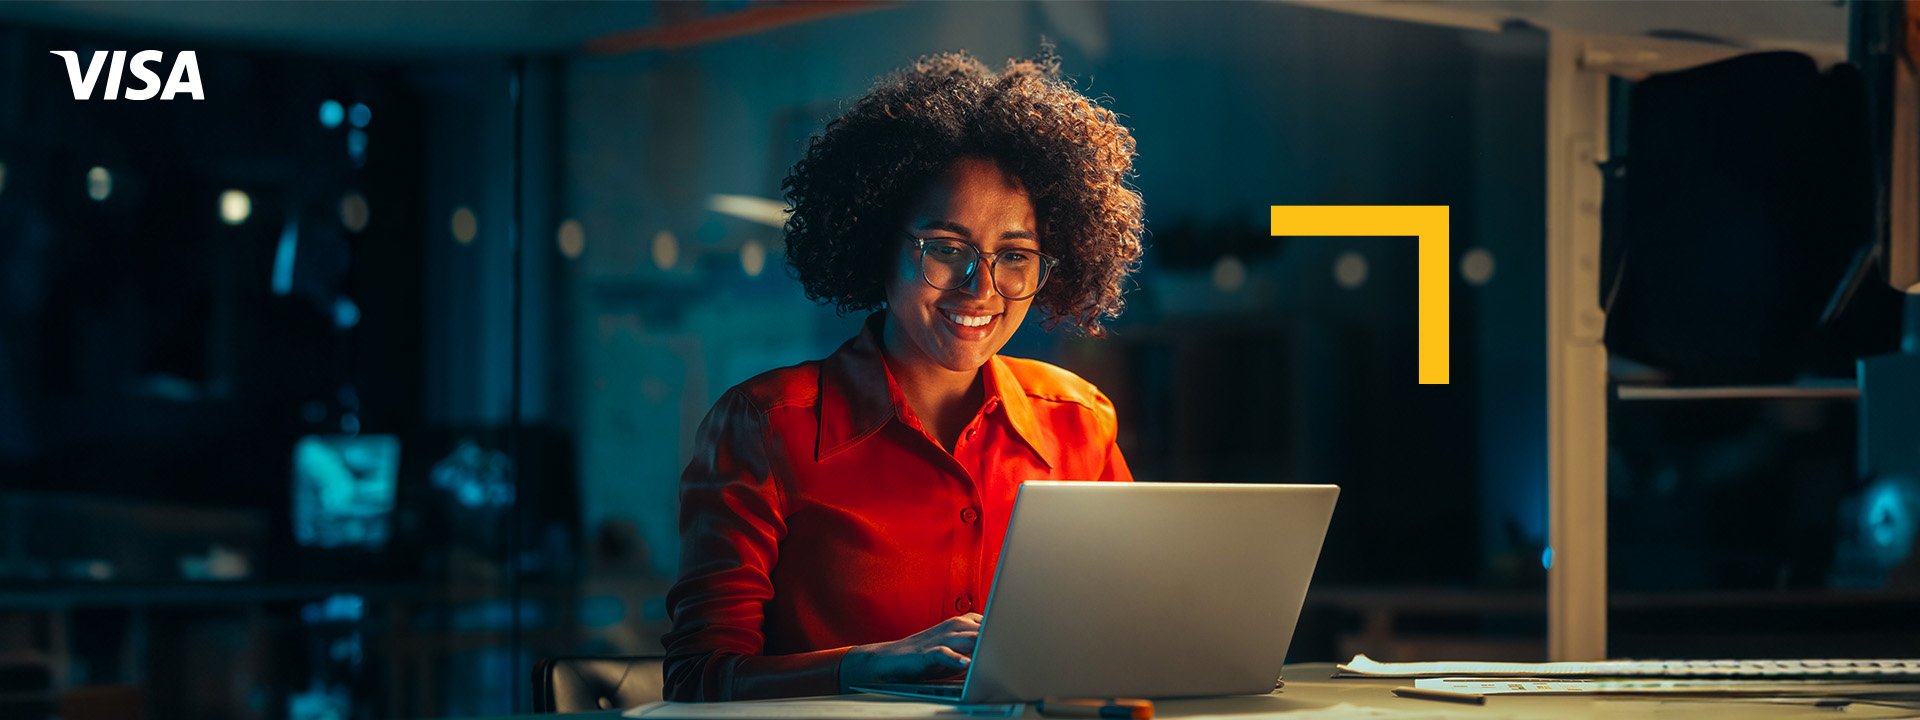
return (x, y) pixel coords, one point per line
(1147, 589)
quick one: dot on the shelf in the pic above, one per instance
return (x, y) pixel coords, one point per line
(1834, 391)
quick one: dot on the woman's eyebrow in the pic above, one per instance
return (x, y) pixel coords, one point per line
(949, 226)
(962, 231)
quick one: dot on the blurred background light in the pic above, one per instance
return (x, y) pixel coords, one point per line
(360, 115)
(772, 213)
(572, 239)
(1229, 274)
(465, 225)
(99, 183)
(753, 257)
(345, 313)
(357, 146)
(666, 250)
(331, 113)
(3, 177)
(284, 255)
(354, 212)
(1350, 270)
(1476, 267)
(235, 207)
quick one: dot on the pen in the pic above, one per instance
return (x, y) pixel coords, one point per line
(1441, 695)
(1107, 709)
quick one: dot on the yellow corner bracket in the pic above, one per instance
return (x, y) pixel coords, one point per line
(1425, 223)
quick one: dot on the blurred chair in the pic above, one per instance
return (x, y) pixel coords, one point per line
(581, 684)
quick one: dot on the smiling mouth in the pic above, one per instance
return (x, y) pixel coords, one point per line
(972, 321)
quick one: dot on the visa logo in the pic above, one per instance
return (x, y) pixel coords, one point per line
(185, 77)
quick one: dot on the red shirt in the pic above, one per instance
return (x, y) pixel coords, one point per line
(817, 514)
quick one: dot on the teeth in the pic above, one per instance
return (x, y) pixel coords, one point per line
(968, 320)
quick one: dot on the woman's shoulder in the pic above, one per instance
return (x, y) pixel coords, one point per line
(790, 386)
(1048, 382)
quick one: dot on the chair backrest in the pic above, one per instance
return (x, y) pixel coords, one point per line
(581, 684)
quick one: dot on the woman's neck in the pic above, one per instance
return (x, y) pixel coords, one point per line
(944, 400)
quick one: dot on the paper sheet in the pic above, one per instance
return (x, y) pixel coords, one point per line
(1691, 688)
(1889, 669)
(890, 709)
(819, 708)
(1344, 711)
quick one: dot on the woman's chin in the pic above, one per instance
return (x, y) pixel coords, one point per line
(965, 361)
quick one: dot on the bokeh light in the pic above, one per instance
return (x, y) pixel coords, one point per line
(354, 212)
(753, 257)
(235, 207)
(1476, 267)
(331, 113)
(572, 239)
(1229, 274)
(465, 225)
(99, 183)
(1350, 270)
(666, 250)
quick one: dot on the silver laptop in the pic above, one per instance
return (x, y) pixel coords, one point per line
(1142, 590)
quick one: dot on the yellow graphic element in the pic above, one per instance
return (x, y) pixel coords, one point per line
(1427, 224)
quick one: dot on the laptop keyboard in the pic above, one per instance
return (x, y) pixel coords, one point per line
(939, 689)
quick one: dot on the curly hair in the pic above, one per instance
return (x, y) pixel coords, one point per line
(854, 186)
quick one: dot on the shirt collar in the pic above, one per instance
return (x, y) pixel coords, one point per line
(1003, 388)
(858, 395)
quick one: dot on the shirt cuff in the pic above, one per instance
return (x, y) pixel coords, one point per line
(800, 675)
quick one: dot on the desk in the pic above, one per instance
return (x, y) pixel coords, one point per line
(1311, 686)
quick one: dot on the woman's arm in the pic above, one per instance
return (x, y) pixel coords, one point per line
(732, 517)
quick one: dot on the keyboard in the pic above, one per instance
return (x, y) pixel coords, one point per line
(944, 690)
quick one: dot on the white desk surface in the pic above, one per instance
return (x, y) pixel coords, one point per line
(1311, 693)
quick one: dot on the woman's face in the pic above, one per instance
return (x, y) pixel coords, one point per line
(974, 203)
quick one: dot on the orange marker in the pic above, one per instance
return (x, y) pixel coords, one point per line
(1104, 708)
(1441, 695)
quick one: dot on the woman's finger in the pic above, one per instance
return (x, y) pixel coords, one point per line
(947, 657)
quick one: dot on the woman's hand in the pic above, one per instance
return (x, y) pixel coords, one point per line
(940, 651)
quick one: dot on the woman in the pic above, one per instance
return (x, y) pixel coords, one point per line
(841, 519)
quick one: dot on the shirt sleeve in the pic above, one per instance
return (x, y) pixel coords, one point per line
(1115, 468)
(732, 517)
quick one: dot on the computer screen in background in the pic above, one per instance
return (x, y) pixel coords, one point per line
(343, 490)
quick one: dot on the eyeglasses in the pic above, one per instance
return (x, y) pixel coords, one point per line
(1017, 273)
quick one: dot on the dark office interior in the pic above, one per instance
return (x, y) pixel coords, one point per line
(359, 386)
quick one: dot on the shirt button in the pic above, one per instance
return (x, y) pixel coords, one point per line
(970, 432)
(993, 405)
(968, 515)
(963, 604)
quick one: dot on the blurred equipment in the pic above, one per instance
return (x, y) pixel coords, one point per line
(1746, 192)
(343, 494)
(59, 538)
(1879, 524)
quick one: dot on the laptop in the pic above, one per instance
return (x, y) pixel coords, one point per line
(1142, 590)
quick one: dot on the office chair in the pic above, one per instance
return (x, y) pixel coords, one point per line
(582, 684)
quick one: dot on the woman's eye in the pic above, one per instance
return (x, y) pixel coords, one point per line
(944, 249)
(1016, 256)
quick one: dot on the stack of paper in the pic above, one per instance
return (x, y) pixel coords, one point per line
(1883, 670)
